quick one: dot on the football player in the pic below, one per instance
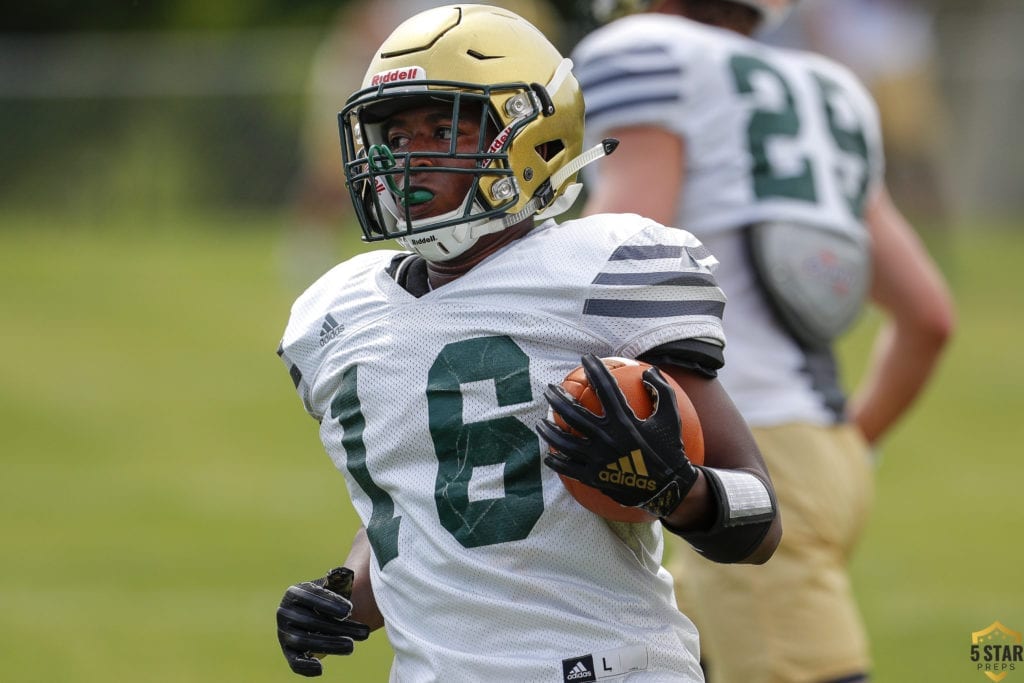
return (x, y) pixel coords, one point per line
(773, 159)
(432, 369)
(319, 201)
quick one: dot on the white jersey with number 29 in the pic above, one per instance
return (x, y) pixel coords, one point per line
(770, 135)
(484, 568)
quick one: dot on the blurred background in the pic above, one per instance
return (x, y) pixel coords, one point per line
(170, 181)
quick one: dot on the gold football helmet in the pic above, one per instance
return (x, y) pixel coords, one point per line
(483, 61)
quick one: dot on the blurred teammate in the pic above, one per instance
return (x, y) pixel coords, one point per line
(774, 160)
(891, 46)
(430, 369)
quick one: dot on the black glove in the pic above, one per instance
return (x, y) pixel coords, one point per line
(658, 474)
(314, 618)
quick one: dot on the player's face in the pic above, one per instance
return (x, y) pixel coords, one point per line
(431, 128)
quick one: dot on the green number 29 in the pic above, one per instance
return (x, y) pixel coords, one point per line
(767, 124)
(459, 447)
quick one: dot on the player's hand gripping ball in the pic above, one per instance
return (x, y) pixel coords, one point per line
(628, 374)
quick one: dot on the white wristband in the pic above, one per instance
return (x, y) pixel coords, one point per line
(744, 497)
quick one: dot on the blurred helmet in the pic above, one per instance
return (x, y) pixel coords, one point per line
(482, 61)
(607, 10)
(772, 11)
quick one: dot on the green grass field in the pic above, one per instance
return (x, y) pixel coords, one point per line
(162, 484)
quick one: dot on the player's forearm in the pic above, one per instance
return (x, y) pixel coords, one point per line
(731, 518)
(364, 605)
(903, 362)
(713, 520)
(920, 318)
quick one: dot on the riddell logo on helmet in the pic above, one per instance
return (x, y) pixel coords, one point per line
(499, 141)
(408, 73)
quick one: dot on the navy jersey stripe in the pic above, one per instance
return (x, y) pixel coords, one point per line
(594, 112)
(661, 278)
(628, 308)
(643, 252)
(592, 82)
(698, 253)
(656, 51)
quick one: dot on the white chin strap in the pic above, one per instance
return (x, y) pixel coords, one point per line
(444, 244)
(568, 197)
(447, 243)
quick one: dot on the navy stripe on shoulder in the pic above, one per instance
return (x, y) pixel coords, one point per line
(661, 278)
(591, 82)
(629, 308)
(618, 56)
(699, 253)
(594, 112)
(642, 252)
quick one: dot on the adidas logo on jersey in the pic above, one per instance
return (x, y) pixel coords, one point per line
(578, 669)
(330, 330)
(630, 470)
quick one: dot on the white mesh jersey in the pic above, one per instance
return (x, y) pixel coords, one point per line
(483, 566)
(770, 135)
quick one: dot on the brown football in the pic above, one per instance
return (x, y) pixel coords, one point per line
(628, 374)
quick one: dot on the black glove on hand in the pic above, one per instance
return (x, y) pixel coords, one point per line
(658, 474)
(314, 618)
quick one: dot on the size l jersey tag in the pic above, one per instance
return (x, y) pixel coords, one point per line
(605, 664)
